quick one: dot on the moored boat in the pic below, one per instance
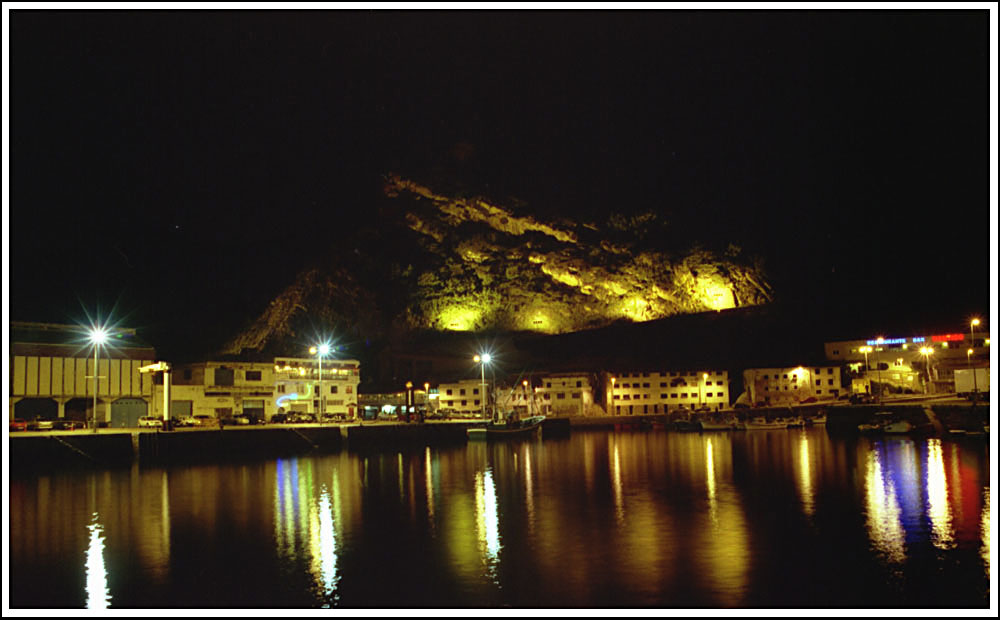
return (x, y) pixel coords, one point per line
(762, 423)
(526, 428)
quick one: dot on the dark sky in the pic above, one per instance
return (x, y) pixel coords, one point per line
(181, 165)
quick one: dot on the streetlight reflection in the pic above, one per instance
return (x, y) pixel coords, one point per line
(98, 592)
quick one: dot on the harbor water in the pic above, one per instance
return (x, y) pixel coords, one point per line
(599, 519)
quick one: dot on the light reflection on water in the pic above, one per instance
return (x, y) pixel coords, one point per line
(98, 592)
(600, 519)
(883, 510)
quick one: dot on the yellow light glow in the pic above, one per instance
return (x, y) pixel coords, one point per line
(715, 293)
(975, 322)
(459, 318)
(98, 592)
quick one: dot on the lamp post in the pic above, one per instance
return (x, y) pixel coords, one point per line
(482, 360)
(98, 336)
(926, 352)
(701, 390)
(320, 351)
(972, 345)
(611, 403)
(878, 366)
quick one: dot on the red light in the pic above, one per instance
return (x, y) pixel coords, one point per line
(948, 337)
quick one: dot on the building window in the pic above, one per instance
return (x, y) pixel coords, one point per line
(684, 394)
(475, 391)
(253, 375)
(333, 389)
(281, 388)
(829, 371)
(819, 382)
(464, 402)
(579, 384)
(829, 382)
(549, 397)
(476, 402)
(548, 385)
(663, 384)
(461, 392)
(575, 395)
(349, 390)
(448, 392)
(674, 395)
(616, 397)
(561, 396)
(663, 396)
(645, 385)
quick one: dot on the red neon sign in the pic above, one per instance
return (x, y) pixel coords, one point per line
(948, 337)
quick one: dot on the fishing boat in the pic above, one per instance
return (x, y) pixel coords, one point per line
(717, 424)
(514, 429)
(795, 422)
(762, 423)
(897, 427)
(818, 420)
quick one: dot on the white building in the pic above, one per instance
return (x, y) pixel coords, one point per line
(791, 386)
(564, 394)
(463, 398)
(297, 385)
(221, 390)
(632, 393)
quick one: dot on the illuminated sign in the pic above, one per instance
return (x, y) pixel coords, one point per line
(948, 337)
(888, 341)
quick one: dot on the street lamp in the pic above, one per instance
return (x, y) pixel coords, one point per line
(866, 351)
(878, 366)
(320, 351)
(926, 352)
(701, 392)
(611, 403)
(975, 380)
(98, 336)
(482, 360)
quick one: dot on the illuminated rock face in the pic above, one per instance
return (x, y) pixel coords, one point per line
(433, 262)
(498, 270)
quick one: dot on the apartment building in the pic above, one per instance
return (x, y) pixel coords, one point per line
(564, 394)
(793, 385)
(633, 393)
(463, 398)
(298, 386)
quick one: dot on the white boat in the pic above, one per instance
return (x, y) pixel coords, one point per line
(761, 423)
(819, 420)
(897, 427)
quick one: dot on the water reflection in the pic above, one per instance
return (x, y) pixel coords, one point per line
(713, 508)
(305, 525)
(883, 512)
(986, 532)
(937, 497)
(98, 592)
(804, 478)
(608, 520)
(488, 522)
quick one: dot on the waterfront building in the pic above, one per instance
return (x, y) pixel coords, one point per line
(905, 357)
(222, 389)
(632, 393)
(52, 374)
(392, 404)
(561, 394)
(297, 385)
(463, 398)
(792, 385)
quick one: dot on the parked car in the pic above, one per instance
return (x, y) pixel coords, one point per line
(148, 421)
(279, 418)
(41, 424)
(203, 420)
(300, 418)
(69, 425)
(862, 399)
(17, 424)
(240, 420)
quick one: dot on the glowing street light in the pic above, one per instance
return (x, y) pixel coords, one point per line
(320, 351)
(482, 360)
(926, 352)
(611, 402)
(98, 336)
(701, 392)
(866, 351)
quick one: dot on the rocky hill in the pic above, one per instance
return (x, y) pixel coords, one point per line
(437, 262)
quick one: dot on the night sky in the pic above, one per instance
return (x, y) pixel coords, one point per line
(181, 166)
